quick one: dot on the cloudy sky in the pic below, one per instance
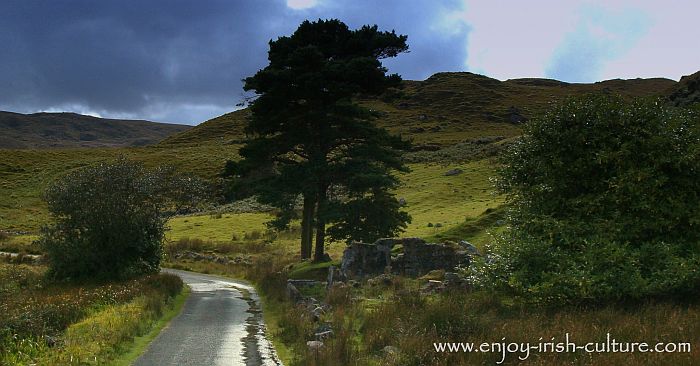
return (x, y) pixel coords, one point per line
(183, 61)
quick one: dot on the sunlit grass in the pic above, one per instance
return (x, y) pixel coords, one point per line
(446, 201)
(214, 228)
(60, 323)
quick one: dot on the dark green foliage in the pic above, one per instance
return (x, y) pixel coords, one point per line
(110, 218)
(606, 203)
(367, 217)
(310, 138)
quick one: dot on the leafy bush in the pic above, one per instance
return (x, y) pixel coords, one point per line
(110, 218)
(606, 203)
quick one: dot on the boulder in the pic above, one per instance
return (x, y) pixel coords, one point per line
(514, 115)
(314, 346)
(390, 350)
(293, 293)
(321, 336)
(433, 286)
(361, 259)
(317, 312)
(452, 172)
(471, 249)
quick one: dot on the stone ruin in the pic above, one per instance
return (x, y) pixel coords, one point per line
(362, 260)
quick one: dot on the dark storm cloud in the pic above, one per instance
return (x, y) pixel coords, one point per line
(182, 61)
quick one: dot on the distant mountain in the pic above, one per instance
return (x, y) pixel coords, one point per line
(63, 130)
(451, 107)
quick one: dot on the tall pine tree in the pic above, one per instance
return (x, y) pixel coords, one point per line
(311, 139)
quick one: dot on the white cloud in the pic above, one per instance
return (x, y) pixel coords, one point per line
(588, 40)
(514, 39)
(601, 36)
(71, 108)
(669, 47)
(301, 4)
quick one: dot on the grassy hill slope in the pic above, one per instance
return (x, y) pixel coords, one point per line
(25, 173)
(448, 108)
(49, 130)
(441, 112)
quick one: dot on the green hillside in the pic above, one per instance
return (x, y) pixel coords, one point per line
(465, 117)
(448, 108)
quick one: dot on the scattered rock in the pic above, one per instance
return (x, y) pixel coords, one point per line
(435, 129)
(471, 249)
(321, 336)
(455, 280)
(293, 293)
(514, 115)
(422, 117)
(50, 341)
(438, 225)
(317, 312)
(383, 279)
(324, 327)
(390, 350)
(430, 224)
(314, 346)
(436, 274)
(452, 172)
(402, 202)
(416, 130)
(426, 147)
(433, 286)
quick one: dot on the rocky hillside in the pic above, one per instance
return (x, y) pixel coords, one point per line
(687, 91)
(449, 108)
(51, 130)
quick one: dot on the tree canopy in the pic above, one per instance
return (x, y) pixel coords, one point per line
(605, 198)
(310, 137)
(110, 218)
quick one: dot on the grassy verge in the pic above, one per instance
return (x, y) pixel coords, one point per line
(140, 343)
(52, 323)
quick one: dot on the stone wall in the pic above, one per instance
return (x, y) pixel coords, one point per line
(418, 257)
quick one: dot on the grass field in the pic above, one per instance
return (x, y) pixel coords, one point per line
(24, 174)
(431, 198)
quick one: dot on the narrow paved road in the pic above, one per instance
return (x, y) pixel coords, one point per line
(220, 324)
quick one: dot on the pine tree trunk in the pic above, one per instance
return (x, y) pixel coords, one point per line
(307, 228)
(320, 226)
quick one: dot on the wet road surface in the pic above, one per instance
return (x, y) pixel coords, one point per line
(220, 324)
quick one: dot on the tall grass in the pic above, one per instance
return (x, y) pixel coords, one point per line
(38, 314)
